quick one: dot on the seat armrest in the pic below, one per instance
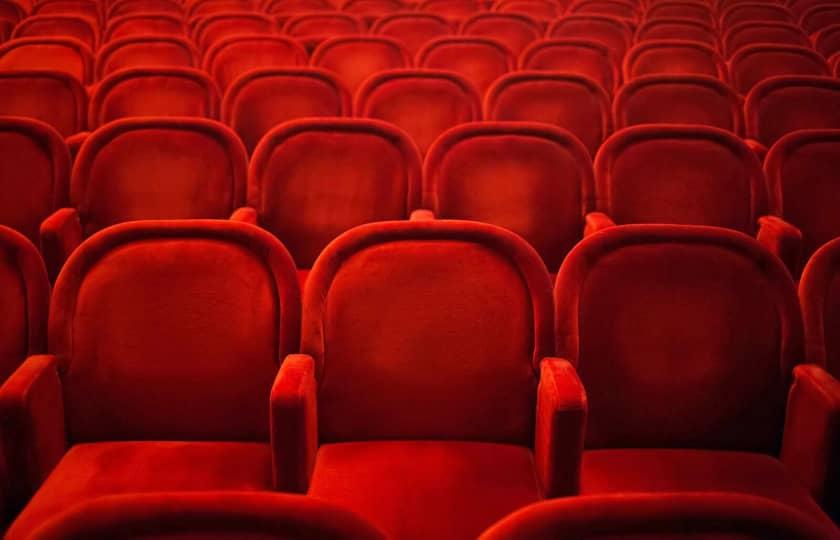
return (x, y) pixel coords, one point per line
(245, 214)
(74, 143)
(595, 222)
(294, 423)
(811, 443)
(560, 430)
(422, 214)
(61, 234)
(758, 149)
(782, 239)
(32, 431)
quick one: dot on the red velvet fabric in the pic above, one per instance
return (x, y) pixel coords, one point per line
(313, 28)
(331, 158)
(88, 8)
(515, 30)
(755, 63)
(673, 56)
(264, 98)
(355, 58)
(827, 41)
(572, 102)
(34, 171)
(695, 516)
(753, 11)
(66, 55)
(613, 32)
(372, 9)
(424, 103)
(678, 99)
(754, 32)
(818, 294)
(819, 17)
(213, 28)
(217, 515)
(284, 7)
(622, 9)
(234, 55)
(72, 26)
(145, 50)
(480, 60)
(49, 96)
(579, 56)
(677, 28)
(128, 7)
(533, 179)
(537, 9)
(413, 30)
(696, 11)
(143, 25)
(453, 10)
(780, 105)
(211, 7)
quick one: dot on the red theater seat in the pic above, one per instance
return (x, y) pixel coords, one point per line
(755, 63)
(149, 317)
(34, 174)
(371, 9)
(821, 306)
(452, 10)
(6, 28)
(424, 103)
(52, 97)
(12, 12)
(289, 7)
(654, 516)
(623, 9)
(819, 17)
(88, 8)
(311, 29)
(480, 60)
(213, 28)
(754, 12)
(614, 33)
(542, 10)
(153, 91)
(678, 99)
(355, 58)
(232, 515)
(72, 26)
(780, 105)
(132, 7)
(235, 55)
(675, 28)
(144, 25)
(148, 168)
(574, 56)
(264, 98)
(146, 51)
(673, 57)
(209, 7)
(701, 364)
(533, 179)
(310, 180)
(827, 40)
(66, 55)
(423, 342)
(798, 7)
(413, 30)
(754, 33)
(685, 9)
(515, 30)
(573, 102)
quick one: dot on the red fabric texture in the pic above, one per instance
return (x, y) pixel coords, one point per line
(584, 57)
(752, 32)
(233, 56)
(819, 17)
(354, 58)
(818, 294)
(66, 55)
(314, 28)
(755, 63)
(515, 30)
(145, 50)
(53, 97)
(621, 9)
(537, 9)
(143, 25)
(126, 7)
(213, 28)
(673, 56)
(677, 28)
(612, 32)
(480, 60)
(72, 26)
(413, 30)
(695, 11)
(782, 239)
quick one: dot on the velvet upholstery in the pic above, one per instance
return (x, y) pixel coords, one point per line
(210, 7)
(755, 32)
(217, 515)
(454, 11)
(572, 102)
(217, 26)
(88, 8)
(412, 29)
(696, 11)
(53, 97)
(313, 28)
(515, 30)
(577, 56)
(610, 31)
(263, 98)
(285, 7)
(622, 9)
(755, 63)
(34, 174)
(234, 55)
(480, 60)
(155, 92)
(754, 11)
(59, 25)
(818, 17)
(820, 307)
(355, 58)
(677, 28)
(673, 57)
(12, 12)
(66, 55)
(144, 25)
(145, 51)
(533, 179)
(312, 179)
(712, 516)
(538, 9)
(678, 99)
(372, 9)
(424, 103)
(827, 40)
(780, 105)
(129, 7)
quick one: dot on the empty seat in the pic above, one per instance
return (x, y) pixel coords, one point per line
(781, 105)
(424, 103)
(209, 7)
(703, 344)
(516, 31)
(827, 40)
(653, 515)
(685, 9)
(132, 7)
(72, 26)
(753, 12)
(380, 341)
(217, 26)
(88, 8)
(674, 28)
(533, 179)
(673, 57)
(480, 60)
(145, 51)
(26, 299)
(818, 296)
(153, 91)
(754, 33)
(798, 7)
(148, 168)
(578, 56)
(233, 56)
(148, 317)
(264, 98)
(286, 7)
(144, 25)
(755, 63)
(452, 10)
(11, 11)
(222, 515)
(6, 28)
(354, 58)
(413, 30)
(573, 102)
(678, 99)
(818, 17)
(313, 28)
(48, 53)
(312, 179)
(543, 10)
(610, 31)
(372, 8)
(617, 8)
(55, 98)
(34, 174)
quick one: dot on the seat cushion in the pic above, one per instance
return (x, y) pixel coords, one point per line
(415, 490)
(657, 470)
(94, 469)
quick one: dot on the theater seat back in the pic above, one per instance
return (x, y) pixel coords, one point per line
(66, 55)
(233, 56)
(53, 97)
